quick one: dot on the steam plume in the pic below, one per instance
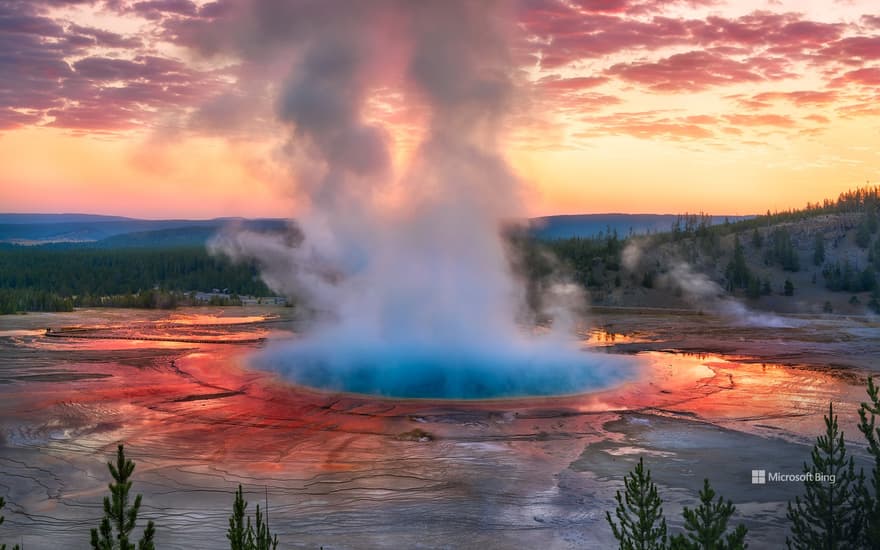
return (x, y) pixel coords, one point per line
(417, 294)
(702, 292)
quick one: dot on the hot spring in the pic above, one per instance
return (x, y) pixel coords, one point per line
(526, 368)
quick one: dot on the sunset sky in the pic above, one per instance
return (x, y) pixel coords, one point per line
(731, 107)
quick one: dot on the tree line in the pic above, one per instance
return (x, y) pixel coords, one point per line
(865, 200)
(45, 279)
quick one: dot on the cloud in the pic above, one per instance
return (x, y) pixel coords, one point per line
(852, 50)
(556, 83)
(103, 38)
(153, 9)
(31, 72)
(567, 95)
(800, 98)
(11, 119)
(142, 68)
(868, 76)
(694, 71)
(867, 107)
(613, 6)
(651, 125)
(26, 18)
(773, 120)
(573, 36)
(819, 119)
(585, 55)
(567, 34)
(120, 88)
(95, 117)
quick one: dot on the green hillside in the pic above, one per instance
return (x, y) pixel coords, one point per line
(822, 258)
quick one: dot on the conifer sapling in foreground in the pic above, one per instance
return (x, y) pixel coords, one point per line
(639, 513)
(871, 494)
(2, 519)
(120, 517)
(244, 535)
(706, 525)
(829, 516)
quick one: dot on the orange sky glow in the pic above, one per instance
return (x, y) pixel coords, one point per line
(728, 107)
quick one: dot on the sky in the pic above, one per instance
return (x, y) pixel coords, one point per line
(161, 108)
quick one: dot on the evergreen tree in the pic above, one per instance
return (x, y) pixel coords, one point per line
(819, 250)
(782, 251)
(863, 235)
(871, 495)
(757, 238)
(874, 303)
(238, 532)
(754, 289)
(639, 513)
(706, 525)
(263, 539)
(868, 279)
(830, 515)
(118, 515)
(244, 535)
(2, 519)
(738, 270)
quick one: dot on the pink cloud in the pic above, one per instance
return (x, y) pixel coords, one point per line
(760, 48)
(799, 98)
(819, 119)
(871, 107)
(852, 50)
(10, 119)
(693, 71)
(779, 121)
(614, 6)
(649, 125)
(571, 84)
(568, 34)
(868, 76)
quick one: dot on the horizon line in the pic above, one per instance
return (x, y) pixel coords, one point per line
(234, 217)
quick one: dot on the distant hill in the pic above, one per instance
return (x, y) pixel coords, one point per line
(57, 218)
(158, 238)
(114, 232)
(181, 236)
(590, 225)
(95, 231)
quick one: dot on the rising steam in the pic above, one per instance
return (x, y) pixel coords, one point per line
(408, 271)
(701, 292)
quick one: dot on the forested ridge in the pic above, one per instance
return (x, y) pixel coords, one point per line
(43, 279)
(831, 247)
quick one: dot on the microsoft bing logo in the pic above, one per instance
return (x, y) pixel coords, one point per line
(759, 477)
